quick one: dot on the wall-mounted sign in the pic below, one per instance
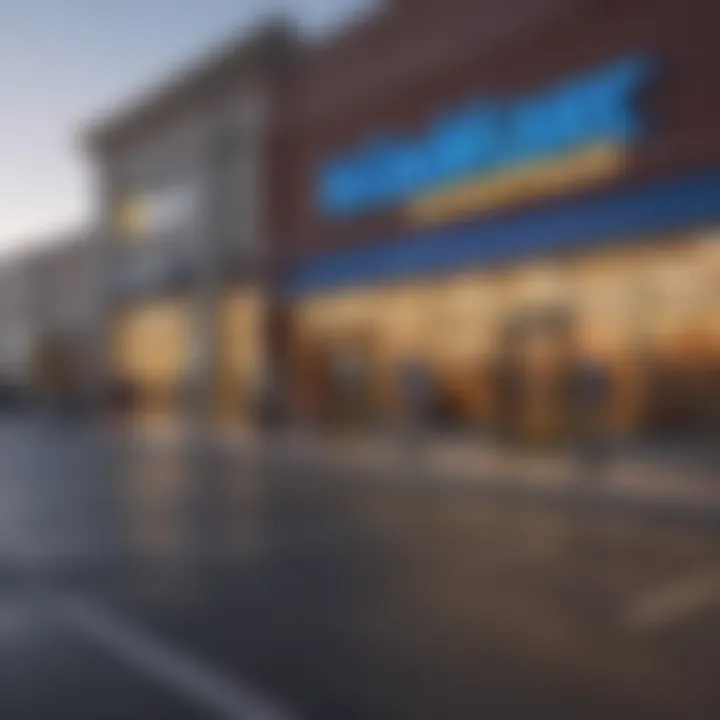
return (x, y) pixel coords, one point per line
(592, 116)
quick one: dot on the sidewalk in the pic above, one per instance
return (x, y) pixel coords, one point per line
(632, 478)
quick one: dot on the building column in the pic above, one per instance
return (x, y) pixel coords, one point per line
(205, 290)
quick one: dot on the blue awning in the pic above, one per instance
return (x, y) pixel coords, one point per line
(661, 207)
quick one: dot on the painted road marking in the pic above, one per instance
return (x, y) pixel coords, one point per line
(674, 601)
(221, 695)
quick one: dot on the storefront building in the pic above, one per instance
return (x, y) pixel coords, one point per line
(184, 205)
(507, 193)
(18, 329)
(67, 319)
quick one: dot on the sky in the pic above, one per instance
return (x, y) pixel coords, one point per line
(66, 63)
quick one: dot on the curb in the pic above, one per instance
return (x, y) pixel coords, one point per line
(589, 497)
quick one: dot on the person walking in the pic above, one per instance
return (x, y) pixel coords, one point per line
(592, 392)
(419, 397)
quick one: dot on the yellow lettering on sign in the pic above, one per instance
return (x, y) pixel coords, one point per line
(541, 179)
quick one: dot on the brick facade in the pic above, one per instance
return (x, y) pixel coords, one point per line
(416, 60)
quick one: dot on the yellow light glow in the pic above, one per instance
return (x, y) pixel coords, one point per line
(132, 217)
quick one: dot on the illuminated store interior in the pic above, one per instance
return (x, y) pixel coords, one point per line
(646, 310)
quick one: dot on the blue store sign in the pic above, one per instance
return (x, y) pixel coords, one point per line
(488, 137)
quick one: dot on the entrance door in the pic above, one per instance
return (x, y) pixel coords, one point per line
(533, 375)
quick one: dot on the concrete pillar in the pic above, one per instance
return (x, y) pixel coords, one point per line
(204, 290)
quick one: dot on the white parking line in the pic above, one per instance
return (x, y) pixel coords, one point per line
(222, 696)
(674, 601)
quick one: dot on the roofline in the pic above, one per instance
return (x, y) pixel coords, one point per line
(33, 246)
(261, 48)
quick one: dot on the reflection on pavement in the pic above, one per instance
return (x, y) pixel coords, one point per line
(336, 597)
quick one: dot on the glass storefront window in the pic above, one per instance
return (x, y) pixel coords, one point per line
(624, 306)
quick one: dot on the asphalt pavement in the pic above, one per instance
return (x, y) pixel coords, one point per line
(139, 583)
